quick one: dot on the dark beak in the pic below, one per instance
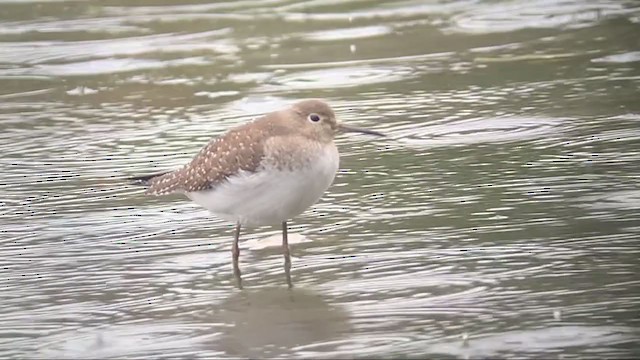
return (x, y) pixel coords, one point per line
(345, 128)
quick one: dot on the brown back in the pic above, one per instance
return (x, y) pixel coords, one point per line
(240, 148)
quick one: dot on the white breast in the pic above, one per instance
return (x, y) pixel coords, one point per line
(271, 196)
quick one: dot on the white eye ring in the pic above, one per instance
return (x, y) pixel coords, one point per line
(313, 117)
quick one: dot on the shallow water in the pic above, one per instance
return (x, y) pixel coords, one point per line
(499, 218)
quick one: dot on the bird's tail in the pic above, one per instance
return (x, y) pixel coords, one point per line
(145, 179)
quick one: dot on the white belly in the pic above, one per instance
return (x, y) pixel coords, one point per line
(270, 196)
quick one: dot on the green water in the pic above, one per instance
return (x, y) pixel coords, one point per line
(503, 207)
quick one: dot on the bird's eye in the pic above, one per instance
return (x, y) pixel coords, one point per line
(314, 117)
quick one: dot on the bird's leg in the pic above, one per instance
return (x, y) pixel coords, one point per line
(287, 255)
(235, 251)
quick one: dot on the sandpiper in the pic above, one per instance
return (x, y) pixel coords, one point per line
(264, 172)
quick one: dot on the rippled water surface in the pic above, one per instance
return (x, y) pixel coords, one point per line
(499, 218)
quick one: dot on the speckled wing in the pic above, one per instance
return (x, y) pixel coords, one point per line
(239, 149)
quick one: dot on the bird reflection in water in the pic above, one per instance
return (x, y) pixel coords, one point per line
(273, 322)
